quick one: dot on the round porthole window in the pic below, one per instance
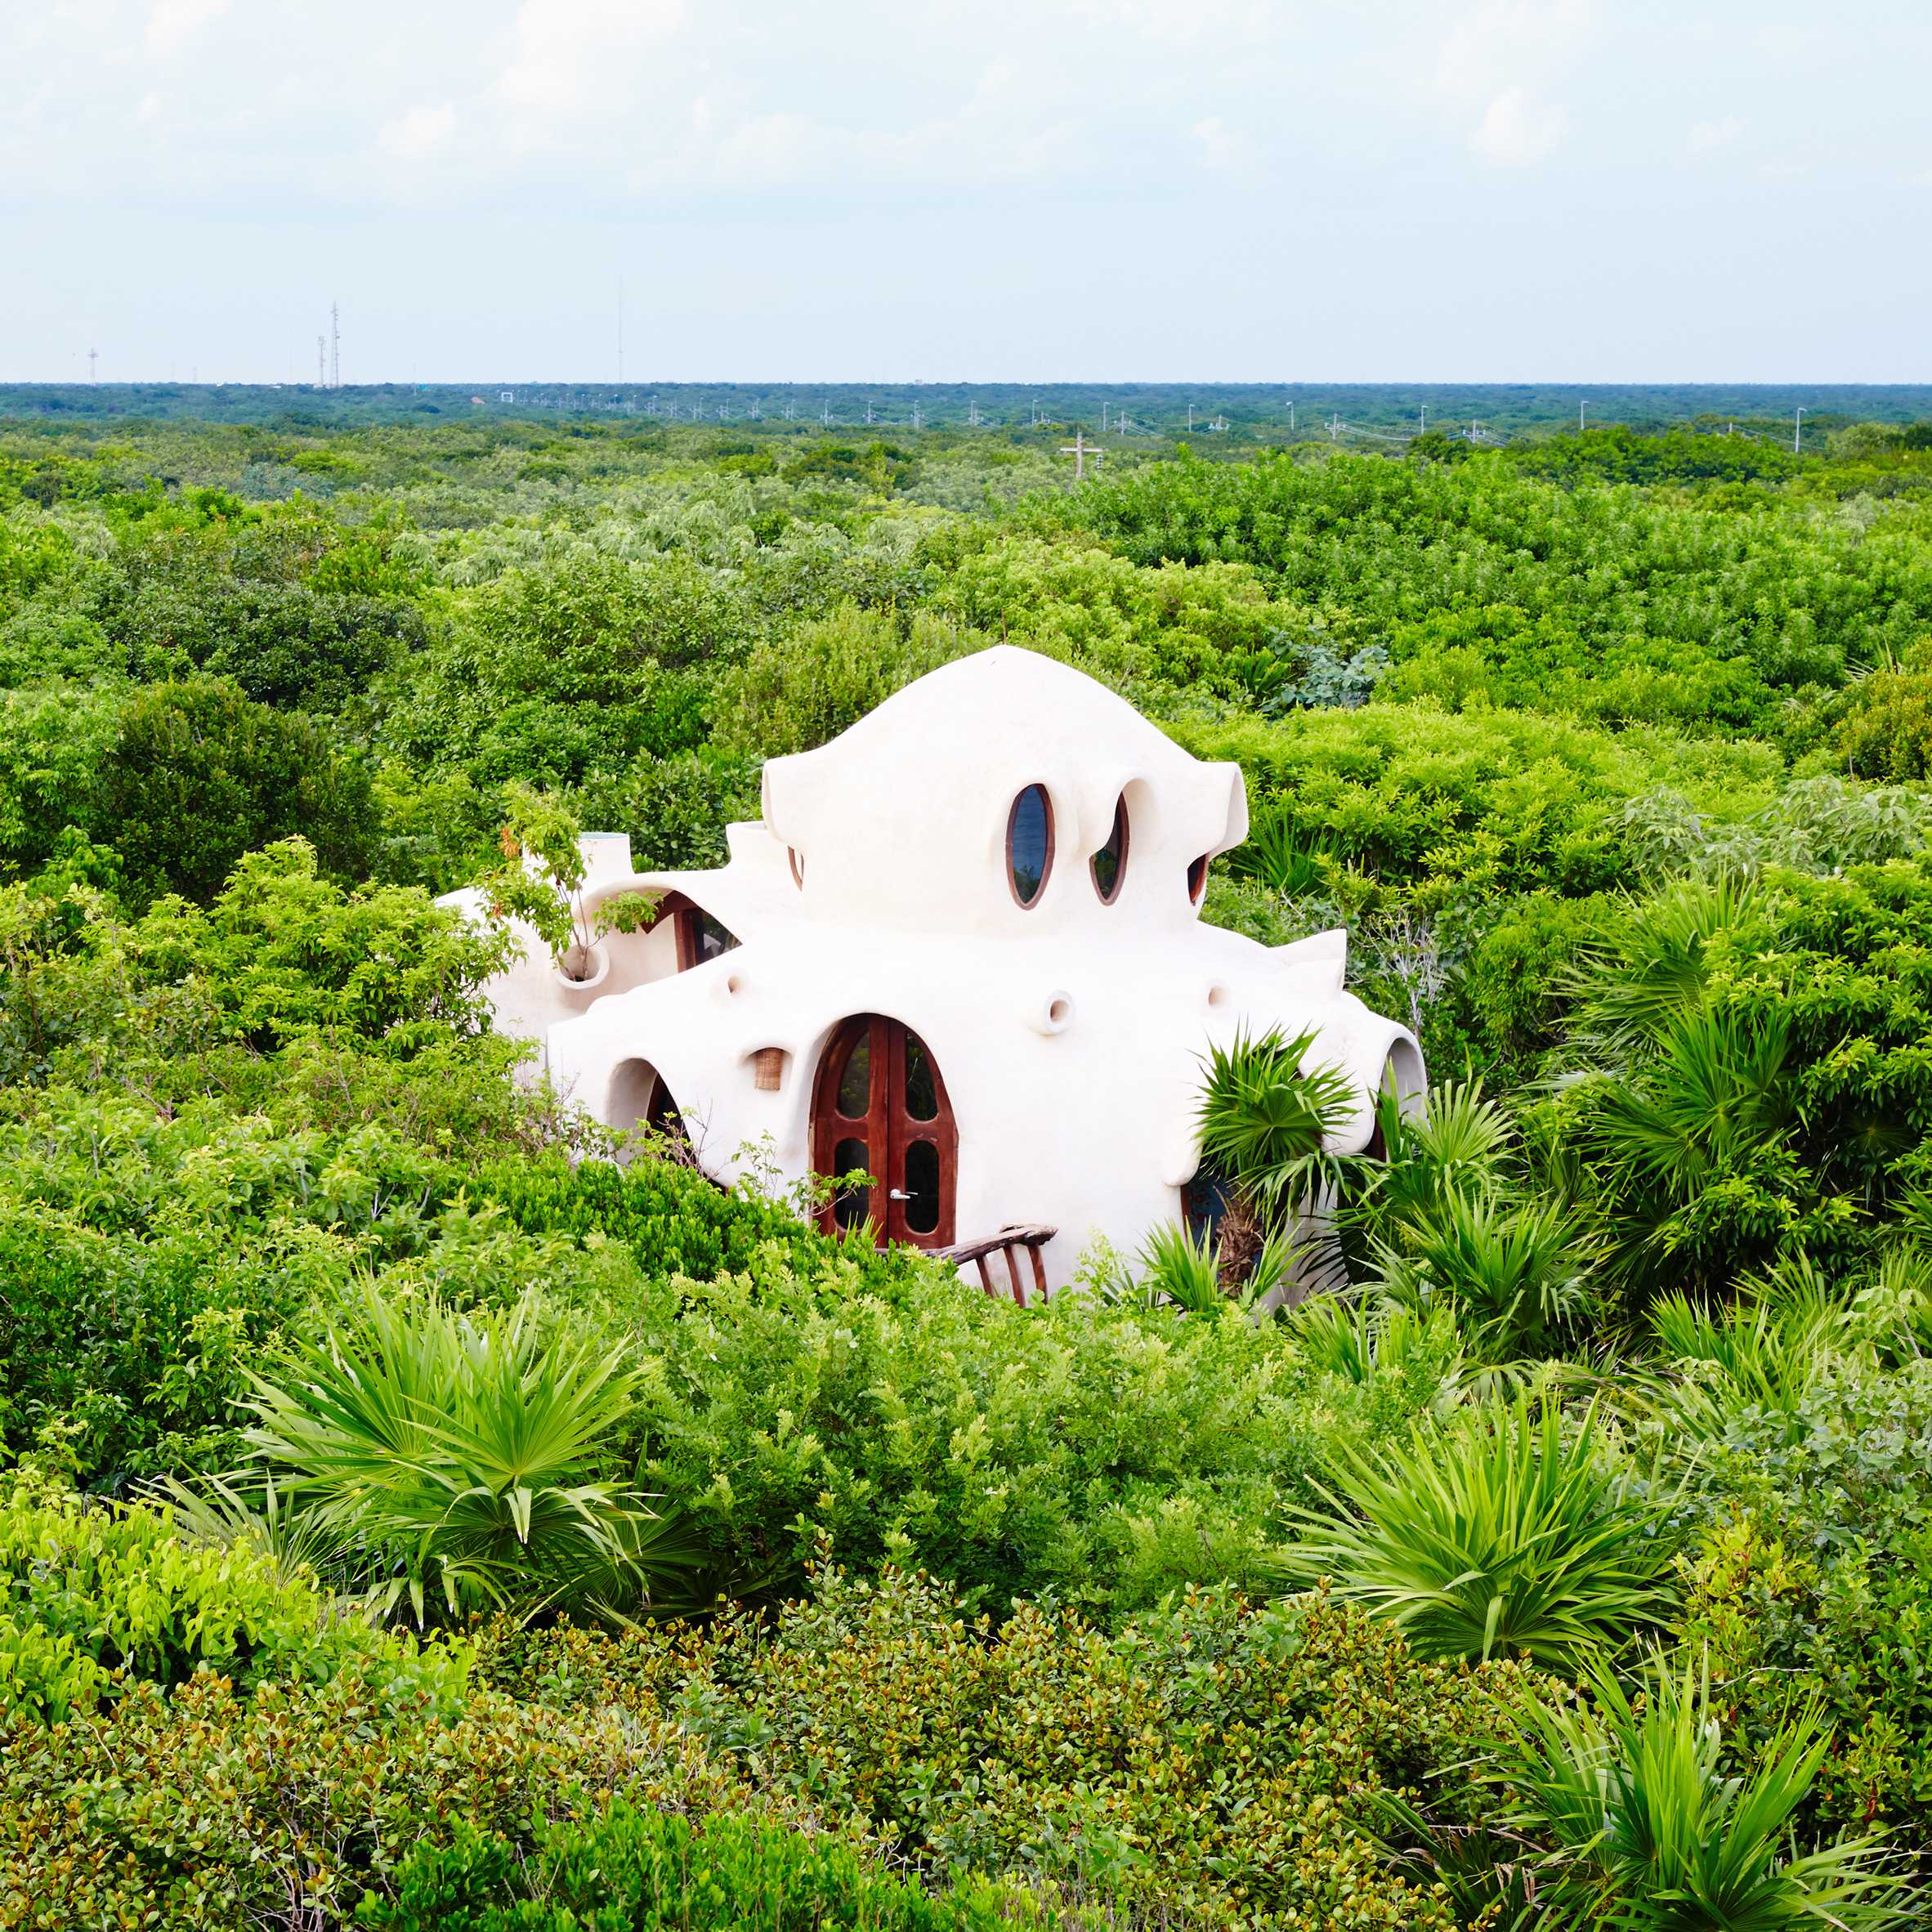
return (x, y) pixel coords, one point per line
(1030, 844)
(1110, 862)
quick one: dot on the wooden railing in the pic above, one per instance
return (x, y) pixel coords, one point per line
(1008, 1241)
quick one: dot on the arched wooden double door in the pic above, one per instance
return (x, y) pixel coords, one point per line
(879, 1107)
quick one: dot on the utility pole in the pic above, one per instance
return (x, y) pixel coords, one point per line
(1798, 433)
(1079, 450)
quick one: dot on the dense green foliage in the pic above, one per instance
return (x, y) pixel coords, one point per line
(1564, 1559)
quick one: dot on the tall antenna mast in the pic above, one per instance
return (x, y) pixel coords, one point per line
(335, 348)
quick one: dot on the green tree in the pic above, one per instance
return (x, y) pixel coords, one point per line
(200, 774)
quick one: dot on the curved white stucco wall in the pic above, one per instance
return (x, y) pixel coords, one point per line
(1069, 1035)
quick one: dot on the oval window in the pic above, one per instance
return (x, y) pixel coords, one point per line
(1110, 862)
(1197, 878)
(1030, 843)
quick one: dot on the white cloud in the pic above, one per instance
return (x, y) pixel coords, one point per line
(1181, 20)
(1222, 148)
(1517, 132)
(173, 24)
(1499, 43)
(576, 57)
(418, 132)
(1708, 135)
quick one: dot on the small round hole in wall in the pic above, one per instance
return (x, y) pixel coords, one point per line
(1053, 1014)
(1218, 996)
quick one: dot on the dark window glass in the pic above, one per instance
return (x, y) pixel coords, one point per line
(1197, 878)
(710, 938)
(1110, 862)
(855, 1079)
(1204, 1203)
(1030, 843)
(850, 1206)
(922, 1187)
(922, 1091)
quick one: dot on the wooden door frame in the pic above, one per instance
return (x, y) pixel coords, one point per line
(888, 1129)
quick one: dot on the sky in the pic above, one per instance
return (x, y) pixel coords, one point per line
(1013, 191)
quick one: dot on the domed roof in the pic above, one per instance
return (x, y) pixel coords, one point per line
(902, 821)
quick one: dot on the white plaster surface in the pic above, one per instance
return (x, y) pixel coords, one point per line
(1069, 1034)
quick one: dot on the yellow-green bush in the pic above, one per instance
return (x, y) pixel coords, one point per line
(1217, 1760)
(98, 1596)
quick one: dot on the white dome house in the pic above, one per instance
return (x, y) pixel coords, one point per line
(962, 953)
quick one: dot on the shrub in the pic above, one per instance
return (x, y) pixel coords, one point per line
(796, 691)
(1489, 801)
(643, 1868)
(1219, 1762)
(97, 1595)
(200, 1809)
(1887, 731)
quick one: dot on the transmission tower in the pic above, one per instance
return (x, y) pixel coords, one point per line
(335, 346)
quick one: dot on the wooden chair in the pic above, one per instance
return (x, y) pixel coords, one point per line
(1009, 1241)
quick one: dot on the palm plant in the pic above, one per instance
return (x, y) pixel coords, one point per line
(1516, 1271)
(461, 1458)
(1496, 1532)
(1764, 1356)
(1650, 1833)
(1189, 1270)
(1455, 1140)
(1690, 1147)
(1629, 996)
(1363, 1341)
(1265, 1121)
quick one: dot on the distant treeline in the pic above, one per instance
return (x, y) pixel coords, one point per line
(1207, 412)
